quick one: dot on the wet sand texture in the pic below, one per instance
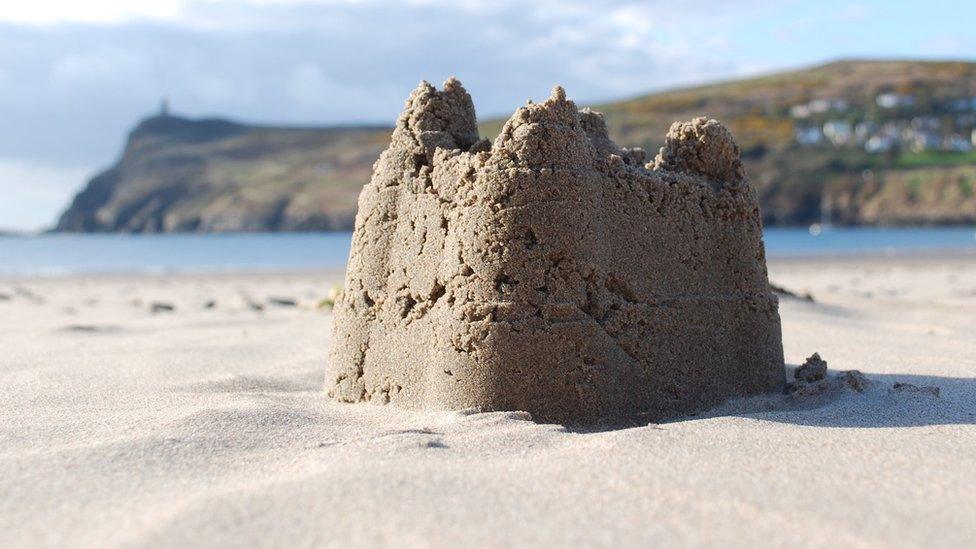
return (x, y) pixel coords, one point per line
(552, 271)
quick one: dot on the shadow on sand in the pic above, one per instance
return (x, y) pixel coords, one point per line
(880, 405)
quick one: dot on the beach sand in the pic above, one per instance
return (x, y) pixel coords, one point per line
(206, 427)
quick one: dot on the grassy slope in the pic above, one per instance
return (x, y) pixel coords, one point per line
(791, 180)
(259, 178)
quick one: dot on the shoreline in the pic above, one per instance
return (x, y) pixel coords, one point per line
(852, 257)
(800, 227)
(908, 256)
(179, 273)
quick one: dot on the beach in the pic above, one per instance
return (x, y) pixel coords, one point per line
(188, 410)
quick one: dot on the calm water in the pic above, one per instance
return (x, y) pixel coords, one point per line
(70, 254)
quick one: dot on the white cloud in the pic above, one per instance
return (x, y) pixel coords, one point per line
(101, 67)
(88, 11)
(76, 87)
(43, 12)
(211, 88)
(308, 85)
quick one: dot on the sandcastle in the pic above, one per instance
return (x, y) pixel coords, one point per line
(552, 271)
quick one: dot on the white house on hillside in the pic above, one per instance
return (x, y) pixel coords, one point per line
(894, 100)
(839, 132)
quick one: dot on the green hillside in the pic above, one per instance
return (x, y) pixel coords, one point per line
(854, 142)
(844, 181)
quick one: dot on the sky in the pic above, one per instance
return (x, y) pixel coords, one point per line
(76, 76)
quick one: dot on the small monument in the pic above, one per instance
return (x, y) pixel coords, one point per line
(552, 271)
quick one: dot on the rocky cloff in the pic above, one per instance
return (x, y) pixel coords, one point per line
(554, 272)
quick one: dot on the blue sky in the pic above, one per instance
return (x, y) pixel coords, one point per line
(75, 76)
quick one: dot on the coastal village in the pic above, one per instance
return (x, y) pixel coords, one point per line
(892, 122)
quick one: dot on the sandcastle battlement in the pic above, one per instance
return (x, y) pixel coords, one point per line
(552, 271)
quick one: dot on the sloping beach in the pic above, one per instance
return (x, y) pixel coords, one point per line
(188, 411)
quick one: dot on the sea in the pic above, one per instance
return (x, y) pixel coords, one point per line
(76, 254)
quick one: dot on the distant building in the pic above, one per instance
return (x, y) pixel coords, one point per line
(899, 130)
(958, 143)
(818, 106)
(839, 132)
(926, 123)
(864, 130)
(164, 106)
(828, 105)
(800, 111)
(879, 144)
(894, 100)
(808, 136)
(924, 141)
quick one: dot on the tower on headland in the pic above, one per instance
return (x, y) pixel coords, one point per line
(164, 107)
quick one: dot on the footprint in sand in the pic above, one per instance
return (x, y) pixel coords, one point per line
(91, 328)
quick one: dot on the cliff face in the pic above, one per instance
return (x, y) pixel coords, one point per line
(213, 175)
(181, 175)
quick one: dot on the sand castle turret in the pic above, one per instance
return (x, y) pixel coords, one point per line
(552, 271)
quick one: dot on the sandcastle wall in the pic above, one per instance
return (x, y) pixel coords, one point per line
(552, 271)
